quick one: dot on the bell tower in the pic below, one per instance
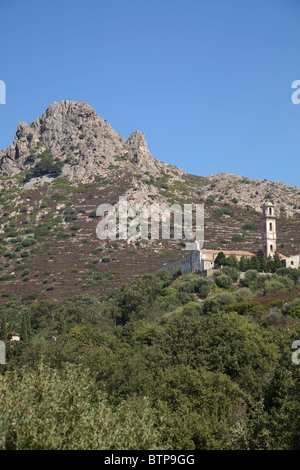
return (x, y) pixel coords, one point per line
(269, 229)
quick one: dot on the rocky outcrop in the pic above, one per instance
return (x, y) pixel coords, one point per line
(141, 155)
(89, 148)
(75, 134)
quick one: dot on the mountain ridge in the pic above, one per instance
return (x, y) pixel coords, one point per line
(50, 189)
(87, 146)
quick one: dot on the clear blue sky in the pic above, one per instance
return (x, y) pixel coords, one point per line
(207, 81)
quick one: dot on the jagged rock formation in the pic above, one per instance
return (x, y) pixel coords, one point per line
(76, 135)
(48, 242)
(88, 149)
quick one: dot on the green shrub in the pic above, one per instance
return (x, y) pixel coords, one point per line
(223, 281)
(249, 227)
(45, 166)
(97, 250)
(71, 412)
(271, 317)
(6, 277)
(237, 238)
(29, 241)
(223, 210)
(218, 303)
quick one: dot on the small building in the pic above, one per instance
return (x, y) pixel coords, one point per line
(208, 256)
(202, 261)
(291, 261)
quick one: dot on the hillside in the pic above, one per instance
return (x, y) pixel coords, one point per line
(67, 162)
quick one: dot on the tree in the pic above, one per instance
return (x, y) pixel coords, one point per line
(270, 264)
(3, 331)
(262, 260)
(277, 261)
(248, 264)
(274, 263)
(45, 166)
(243, 264)
(63, 411)
(24, 331)
(255, 264)
(28, 326)
(220, 259)
(223, 281)
(231, 261)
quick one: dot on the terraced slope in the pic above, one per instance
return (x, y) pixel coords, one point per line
(54, 176)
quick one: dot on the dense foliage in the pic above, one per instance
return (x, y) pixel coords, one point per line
(166, 362)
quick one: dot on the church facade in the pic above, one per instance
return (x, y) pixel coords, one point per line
(202, 260)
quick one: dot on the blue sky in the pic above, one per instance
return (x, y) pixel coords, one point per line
(207, 81)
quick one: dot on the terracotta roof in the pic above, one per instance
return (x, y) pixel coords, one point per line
(232, 252)
(288, 257)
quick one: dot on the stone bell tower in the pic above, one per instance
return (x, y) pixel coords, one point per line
(269, 229)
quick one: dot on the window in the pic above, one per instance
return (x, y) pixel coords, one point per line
(271, 248)
(270, 211)
(271, 227)
(292, 263)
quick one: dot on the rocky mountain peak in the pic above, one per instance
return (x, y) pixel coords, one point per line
(77, 136)
(142, 157)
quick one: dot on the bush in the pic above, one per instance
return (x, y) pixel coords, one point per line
(210, 201)
(64, 411)
(96, 251)
(75, 228)
(223, 210)
(273, 286)
(23, 209)
(29, 241)
(192, 308)
(7, 277)
(250, 276)
(295, 311)
(218, 303)
(252, 309)
(45, 166)
(223, 281)
(249, 227)
(204, 289)
(169, 298)
(244, 294)
(230, 271)
(237, 238)
(271, 317)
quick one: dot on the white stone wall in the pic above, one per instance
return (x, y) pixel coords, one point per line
(292, 262)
